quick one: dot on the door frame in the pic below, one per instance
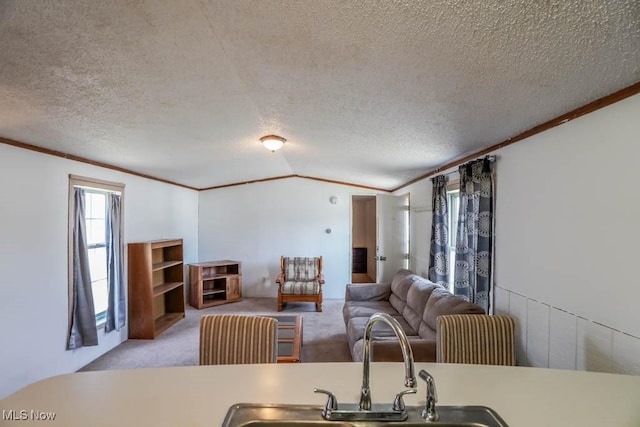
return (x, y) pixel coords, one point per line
(354, 196)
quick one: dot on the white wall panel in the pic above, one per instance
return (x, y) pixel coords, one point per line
(501, 301)
(537, 334)
(594, 347)
(626, 354)
(562, 339)
(518, 309)
(571, 342)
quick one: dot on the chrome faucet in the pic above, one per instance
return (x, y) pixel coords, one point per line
(429, 413)
(365, 411)
(407, 356)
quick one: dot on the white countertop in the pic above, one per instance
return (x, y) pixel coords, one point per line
(201, 395)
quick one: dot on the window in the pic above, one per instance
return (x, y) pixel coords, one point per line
(453, 201)
(97, 231)
(95, 210)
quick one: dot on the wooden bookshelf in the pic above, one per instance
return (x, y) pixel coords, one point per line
(156, 286)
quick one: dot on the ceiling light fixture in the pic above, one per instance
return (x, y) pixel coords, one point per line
(273, 142)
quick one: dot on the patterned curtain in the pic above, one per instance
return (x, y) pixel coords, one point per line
(439, 254)
(474, 246)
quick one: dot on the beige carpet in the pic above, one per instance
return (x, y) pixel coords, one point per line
(323, 333)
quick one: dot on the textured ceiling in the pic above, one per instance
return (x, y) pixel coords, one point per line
(370, 92)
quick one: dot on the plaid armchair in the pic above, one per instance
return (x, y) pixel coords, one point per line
(300, 280)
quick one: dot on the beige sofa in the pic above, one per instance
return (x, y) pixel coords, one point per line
(414, 302)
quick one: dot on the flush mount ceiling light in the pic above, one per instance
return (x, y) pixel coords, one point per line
(273, 142)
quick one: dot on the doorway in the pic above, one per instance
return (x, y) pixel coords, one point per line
(363, 239)
(379, 237)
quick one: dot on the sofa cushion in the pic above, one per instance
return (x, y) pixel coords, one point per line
(300, 288)
(366, 309)
(400, 288)
(368, 292)
(417, 297)
(442, 302)
(356, 325)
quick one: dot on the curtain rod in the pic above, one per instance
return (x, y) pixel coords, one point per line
(490, 157)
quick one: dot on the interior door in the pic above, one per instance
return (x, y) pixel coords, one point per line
(392, 235)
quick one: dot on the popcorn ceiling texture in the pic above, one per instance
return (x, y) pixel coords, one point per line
(369, 92)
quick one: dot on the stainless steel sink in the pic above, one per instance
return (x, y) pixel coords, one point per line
(271, 415)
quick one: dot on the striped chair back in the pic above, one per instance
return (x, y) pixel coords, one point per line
(235, 339)
(476, 339)
(300, 269)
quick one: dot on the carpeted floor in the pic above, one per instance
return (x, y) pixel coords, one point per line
(323, 333)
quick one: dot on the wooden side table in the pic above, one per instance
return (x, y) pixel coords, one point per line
(214, 282)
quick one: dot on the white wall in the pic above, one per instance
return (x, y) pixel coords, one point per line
(257, 223)
(567, 234)
(567, 241)
(33, 257)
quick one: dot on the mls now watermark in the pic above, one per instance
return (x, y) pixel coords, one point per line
(27, 415)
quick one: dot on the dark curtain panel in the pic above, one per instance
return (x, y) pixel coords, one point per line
(116, 308)
(474, 246)
(439, 254)
(82, 331)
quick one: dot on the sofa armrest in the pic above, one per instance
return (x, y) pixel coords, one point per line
(374, 292)
(280, 279)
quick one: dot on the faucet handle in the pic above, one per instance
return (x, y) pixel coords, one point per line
(332, 401)
(398, 402)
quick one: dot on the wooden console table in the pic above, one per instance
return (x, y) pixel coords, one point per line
(214, 282)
